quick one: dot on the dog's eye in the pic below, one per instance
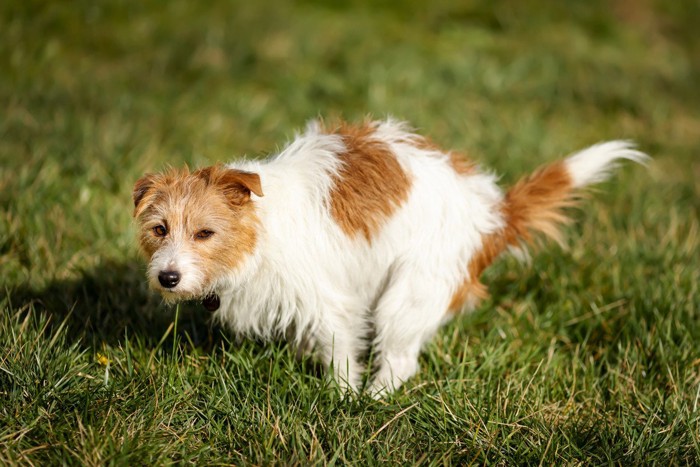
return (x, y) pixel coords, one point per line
(160, 231)
(204, 234)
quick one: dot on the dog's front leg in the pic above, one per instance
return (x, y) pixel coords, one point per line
(338, 349)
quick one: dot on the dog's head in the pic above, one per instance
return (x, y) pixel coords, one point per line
(195, 227)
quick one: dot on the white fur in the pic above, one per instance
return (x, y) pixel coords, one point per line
(310, 277)
(176, 257)
(594, 164)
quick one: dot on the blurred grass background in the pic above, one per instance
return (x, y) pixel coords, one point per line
(587, 355)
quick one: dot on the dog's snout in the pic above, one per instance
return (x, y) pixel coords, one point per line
(169, 279)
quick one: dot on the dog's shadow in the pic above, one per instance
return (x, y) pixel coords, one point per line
(106, 304)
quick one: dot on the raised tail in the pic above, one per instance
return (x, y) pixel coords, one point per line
(534, 206)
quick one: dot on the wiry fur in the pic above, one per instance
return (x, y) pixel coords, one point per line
(336, 247)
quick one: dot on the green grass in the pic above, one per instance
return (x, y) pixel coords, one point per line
(588, 355)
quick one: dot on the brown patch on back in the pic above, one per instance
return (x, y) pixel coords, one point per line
(461, 164)
(370, 185)
(532, 206)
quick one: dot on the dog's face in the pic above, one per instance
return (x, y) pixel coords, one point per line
(195, 228)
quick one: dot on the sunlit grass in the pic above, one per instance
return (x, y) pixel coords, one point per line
(589, 354)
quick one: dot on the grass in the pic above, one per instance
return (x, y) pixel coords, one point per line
(588, 355)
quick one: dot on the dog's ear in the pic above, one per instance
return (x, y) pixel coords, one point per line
(237, 185)
(247, 180)
(142, 186)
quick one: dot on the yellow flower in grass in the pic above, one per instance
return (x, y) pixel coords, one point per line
(102, 359)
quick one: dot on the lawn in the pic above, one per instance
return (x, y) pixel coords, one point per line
(589, 354)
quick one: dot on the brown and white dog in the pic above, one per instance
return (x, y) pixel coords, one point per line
(350, 231)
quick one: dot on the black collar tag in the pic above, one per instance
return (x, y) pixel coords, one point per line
(211, 302)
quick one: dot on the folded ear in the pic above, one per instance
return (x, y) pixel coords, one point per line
(236, 184)
(247, 180)
(142, 186)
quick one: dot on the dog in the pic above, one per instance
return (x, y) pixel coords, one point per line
(352, 237)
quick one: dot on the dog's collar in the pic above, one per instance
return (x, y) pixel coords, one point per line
(211, 302)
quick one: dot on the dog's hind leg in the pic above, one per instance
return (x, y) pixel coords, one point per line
(407, 315)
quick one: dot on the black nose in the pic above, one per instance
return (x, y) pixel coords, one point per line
(169, 279)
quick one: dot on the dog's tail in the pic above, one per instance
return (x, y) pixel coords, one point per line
(534, 206)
